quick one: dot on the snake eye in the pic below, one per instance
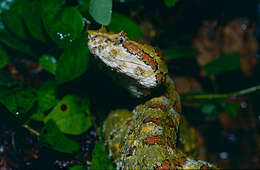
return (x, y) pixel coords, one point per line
(121, 40)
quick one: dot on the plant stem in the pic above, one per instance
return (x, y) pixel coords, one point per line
(225, 95)
(31, 130)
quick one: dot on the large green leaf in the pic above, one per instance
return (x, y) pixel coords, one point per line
(4, 58)
(72, 115)
(32, 19)
(224, 63)
(101, 11)
(48, 63)
(129, 26)
(18, 101)
(73, 61)
(100, 159)
(52, 137)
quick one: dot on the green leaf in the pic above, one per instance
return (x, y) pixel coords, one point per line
(101, 11)
(32, 19)
(64, 27)
(12, 19)
(170, 3)
(48, 63)
(73, 61)
(4, 58)
(100, 159)
(177, 51)
(49, 8)
(129, 26)
(224, 63)
(77, 167)
(46, 96)
(52, 137)
(230, 108)
(72, 115)
(209, 108)
(6, 80)
(7, 39)
(18, 101)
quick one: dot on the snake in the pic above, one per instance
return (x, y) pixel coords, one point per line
(146, 137)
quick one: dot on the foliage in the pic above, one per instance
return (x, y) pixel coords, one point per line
(52, 34)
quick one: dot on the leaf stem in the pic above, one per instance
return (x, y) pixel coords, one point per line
(219, 96)
(31, 130)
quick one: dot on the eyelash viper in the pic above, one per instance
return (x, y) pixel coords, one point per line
(146, 137)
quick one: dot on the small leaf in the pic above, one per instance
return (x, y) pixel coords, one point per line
(177, 51)
(18, 101)
(52, 138)
(230, 108)
(170, 3)
(133, 30)
(48, 63)
(77, 167)
(101, 11)
(100, 159)
(4, 58)
(224, 63)
(72, 115)
(73, 61)
(209, 108)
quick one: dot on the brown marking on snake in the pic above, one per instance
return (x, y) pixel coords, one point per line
(158, 106)
(169, 142)
(166, 165)
(152, 119)
(153, 140)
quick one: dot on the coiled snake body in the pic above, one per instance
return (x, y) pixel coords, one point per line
(146, 137)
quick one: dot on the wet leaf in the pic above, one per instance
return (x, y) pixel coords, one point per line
(224, 63)
(48, 63)
(73, 61)
(52, 137)
(63, 26)
(131, 27)
(100, 159)
(72, 115)
(170, 3)
(101, 11)
(4, 58)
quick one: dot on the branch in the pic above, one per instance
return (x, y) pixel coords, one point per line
(219, 96)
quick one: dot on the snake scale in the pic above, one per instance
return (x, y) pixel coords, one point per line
(146, 137)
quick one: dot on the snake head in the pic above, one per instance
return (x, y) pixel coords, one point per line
(137, 62)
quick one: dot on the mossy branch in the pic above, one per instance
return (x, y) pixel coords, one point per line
(219, 96)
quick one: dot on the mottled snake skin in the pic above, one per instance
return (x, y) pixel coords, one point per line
(146, 137)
